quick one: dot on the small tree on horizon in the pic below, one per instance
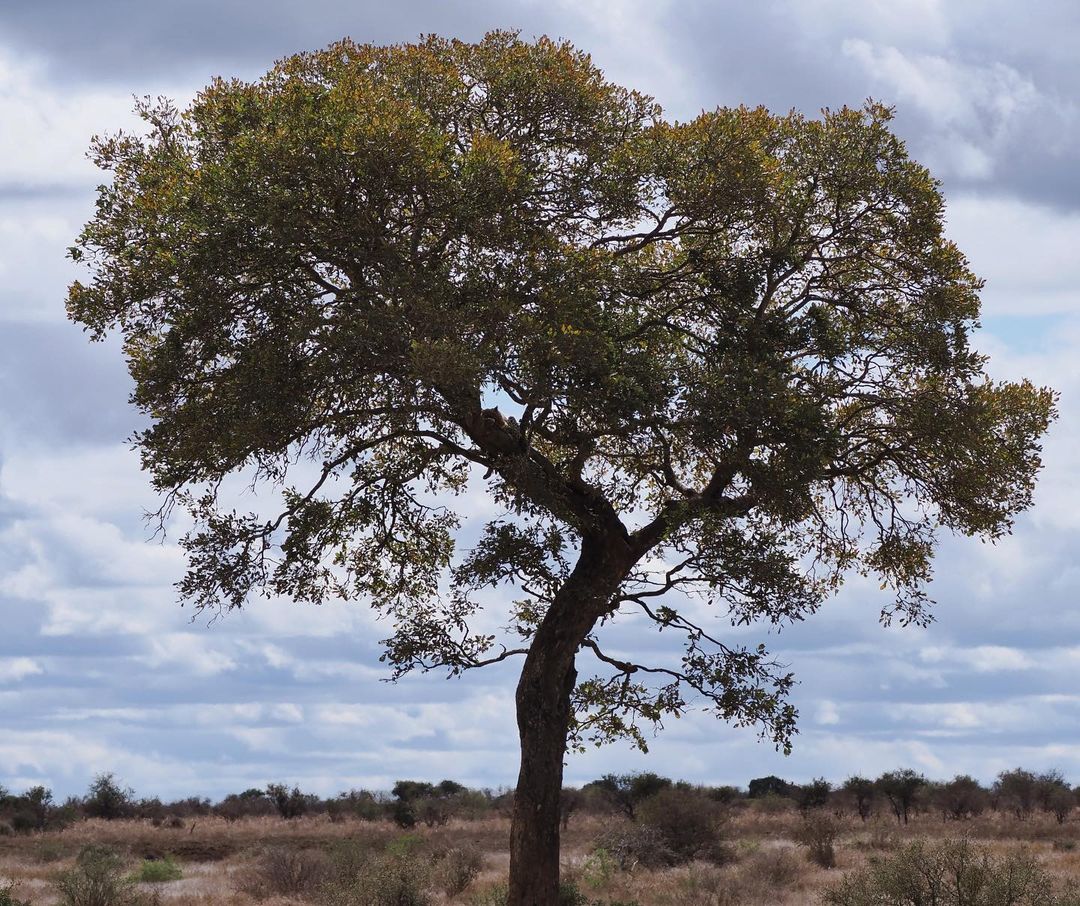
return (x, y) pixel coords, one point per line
(700, 368)
(902, 788)
(107, 799)
(625, 792)
(862, 792)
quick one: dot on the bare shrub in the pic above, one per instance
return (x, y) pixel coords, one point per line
(881, 837)
(761, 879)
(458, 868)
(772, 804)
(281, 871)
(7, 895)
(570, 801)
(689, 822)
(636, 845)
(391, 879)
(951, 873)
(818, 832)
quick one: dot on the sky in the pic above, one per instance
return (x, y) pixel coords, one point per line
(101, 670)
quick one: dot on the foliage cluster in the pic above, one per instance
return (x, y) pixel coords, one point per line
(951, 873)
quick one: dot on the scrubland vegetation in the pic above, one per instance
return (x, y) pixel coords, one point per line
(628, 839)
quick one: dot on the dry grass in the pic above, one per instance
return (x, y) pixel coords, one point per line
(218, 857)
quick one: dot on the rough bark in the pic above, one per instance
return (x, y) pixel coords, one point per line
(543, 716)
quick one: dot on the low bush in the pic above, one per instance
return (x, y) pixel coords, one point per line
(950, 873)
(97, 880)
(158, 871)
(598, 868)
(490, 896)
(7, 896)
(458, 868)
(636, 845)
(775, 869)
(385, 880)
(690, 824)
(763, 878)
(47, 851)
(569, 895)
(818, 832)
(283, 872)
(197, 850)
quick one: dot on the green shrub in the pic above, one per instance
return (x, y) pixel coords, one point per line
(158, 871)
(492, 896)
(405, 845)
(951, 873)
(569, 895)
(598, 868)
(96, 880)
(404, 814)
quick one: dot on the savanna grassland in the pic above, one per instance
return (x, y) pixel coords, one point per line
(681, 847)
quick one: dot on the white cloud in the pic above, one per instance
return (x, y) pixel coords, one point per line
(828, 714)
(1026, 253)
(982, 659)
(188, 653)
(46, 131)
(13, 669)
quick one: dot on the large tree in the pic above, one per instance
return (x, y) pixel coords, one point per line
(705, 369)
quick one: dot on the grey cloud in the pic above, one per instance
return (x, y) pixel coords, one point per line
(780, 54)
(139, 43)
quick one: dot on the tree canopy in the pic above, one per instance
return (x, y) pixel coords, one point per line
(723, 360)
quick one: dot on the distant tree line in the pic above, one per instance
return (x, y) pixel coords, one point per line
(901, 794)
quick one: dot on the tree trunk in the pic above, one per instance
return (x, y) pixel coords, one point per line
(543, 716)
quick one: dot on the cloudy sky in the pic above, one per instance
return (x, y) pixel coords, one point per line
(101, 670)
